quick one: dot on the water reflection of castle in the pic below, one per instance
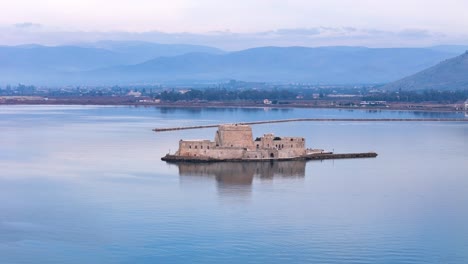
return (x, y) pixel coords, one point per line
(236, 178)
(242, 173)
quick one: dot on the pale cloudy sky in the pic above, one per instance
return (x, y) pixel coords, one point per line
(246, 22)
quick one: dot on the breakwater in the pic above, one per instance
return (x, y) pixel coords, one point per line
(321, 120)
(322, 156)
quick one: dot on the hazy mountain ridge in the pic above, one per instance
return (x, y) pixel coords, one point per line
(27, 61)
(113, 62)
(451, 74)
(60, 58)
(325, 65)
(140, 51)
(57, 65)
(451, 48)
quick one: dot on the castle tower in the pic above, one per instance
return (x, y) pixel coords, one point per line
(237, 136)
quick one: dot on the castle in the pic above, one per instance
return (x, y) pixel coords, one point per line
(235, 142)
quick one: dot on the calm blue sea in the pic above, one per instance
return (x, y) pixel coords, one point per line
(85, 184)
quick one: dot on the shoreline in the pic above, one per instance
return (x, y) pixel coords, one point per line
(416, 107)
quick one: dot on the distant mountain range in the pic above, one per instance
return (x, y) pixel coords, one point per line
(114, 62)
(97, 55)
(139, 51)
(451, 74)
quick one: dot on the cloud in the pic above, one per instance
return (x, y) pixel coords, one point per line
(418, 33)
(27, 25)
(298, 31)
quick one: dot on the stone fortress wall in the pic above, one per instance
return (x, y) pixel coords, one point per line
(236, 142)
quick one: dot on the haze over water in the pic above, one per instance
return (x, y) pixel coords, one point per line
(86, 185)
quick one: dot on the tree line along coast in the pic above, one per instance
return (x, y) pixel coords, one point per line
(239, 94)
